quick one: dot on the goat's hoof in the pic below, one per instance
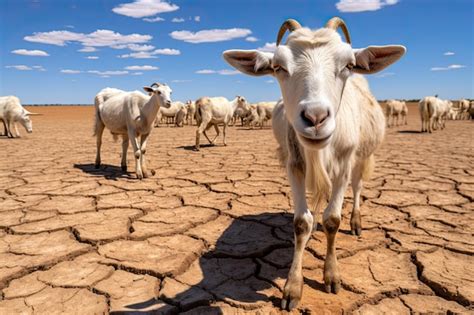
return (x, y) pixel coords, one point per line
(124, 168)
(356, 226)
(292, 293)
(332, 282)
(139, 175)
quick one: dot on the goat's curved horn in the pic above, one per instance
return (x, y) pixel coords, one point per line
(155, 84)
(289, 25)
(337, 22)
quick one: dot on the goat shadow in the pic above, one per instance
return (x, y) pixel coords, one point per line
(193, 147)
(105, 170)
(242, 264)
(409, 131)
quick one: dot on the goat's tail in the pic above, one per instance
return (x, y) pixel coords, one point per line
(317, 180)
(368, 167)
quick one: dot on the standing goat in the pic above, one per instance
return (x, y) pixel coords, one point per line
(131, 115)
(12, 112)
(212, 111)
(328, 128)
(397, 109)
(433, 113)
(191, 113)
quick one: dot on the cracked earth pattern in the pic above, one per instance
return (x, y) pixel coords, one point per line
(211, 232)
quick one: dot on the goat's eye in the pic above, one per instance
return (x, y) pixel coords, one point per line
(278, 68)
(350, 66)
(158, 92)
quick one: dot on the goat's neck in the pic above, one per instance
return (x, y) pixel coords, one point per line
(150, 110)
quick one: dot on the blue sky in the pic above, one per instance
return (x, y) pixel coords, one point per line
(60, 51)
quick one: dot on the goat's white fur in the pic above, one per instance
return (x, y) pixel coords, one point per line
(328, 127)
(214, 111)
(396, 109)
(433, 113)
(11, 112)
(131, 115)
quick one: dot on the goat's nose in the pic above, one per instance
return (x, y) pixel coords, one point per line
(168, 102)
(315, 116)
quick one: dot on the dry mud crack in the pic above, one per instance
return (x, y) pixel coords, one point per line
(211, 232)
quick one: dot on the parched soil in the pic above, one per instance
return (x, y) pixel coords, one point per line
(212, 231)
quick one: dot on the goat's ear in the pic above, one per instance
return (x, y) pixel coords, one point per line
(251, 62)
(147, 89)
(376, 58)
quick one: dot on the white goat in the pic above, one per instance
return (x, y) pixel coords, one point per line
(191, 114)
(180, 116)
(397, 109)
(131, 115)
(264, 112)
(328, 128)
(433, 113)
(212, 111)
(464, 107)
(168, 114)
(12, 112)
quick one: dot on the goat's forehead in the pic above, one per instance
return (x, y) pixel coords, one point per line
(303, 40)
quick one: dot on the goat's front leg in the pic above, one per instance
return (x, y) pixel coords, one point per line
(331, 222)
(303, 226)
(136, 152)
(144, 140)
(224, 129)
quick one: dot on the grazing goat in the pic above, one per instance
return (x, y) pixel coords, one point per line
(328, 128)
(12, 112)
(396, 109)
(433, 113)
(131, 115)
(212, 111)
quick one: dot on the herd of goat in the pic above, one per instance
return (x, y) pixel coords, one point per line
(327, 124)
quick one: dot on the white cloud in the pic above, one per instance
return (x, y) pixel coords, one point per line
(449, 53)
(143, 8)
(167, 51)
(206, 71)
(152, 54)
(212, 35)
(363, 5)
(270, 81)
(450, 67)
(221, 72)
(153, 20)
(87, 49)
(26, 68)
(385, 74)
(99, 38)
(92, 57)
(251, 39)
(69, 26)
(39, 68)
(69, 71)
(26, 52)
(135, 47)
(107, 74)
(137, 73)
(181, 81)
(177, 20)
(141, 68)
(268, 47)
(197, 18)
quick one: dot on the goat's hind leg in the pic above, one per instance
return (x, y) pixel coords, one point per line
(123, 163)
(99, 130)
(144, 140)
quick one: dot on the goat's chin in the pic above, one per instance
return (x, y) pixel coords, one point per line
(314, 144)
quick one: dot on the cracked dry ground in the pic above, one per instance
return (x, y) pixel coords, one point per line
(212, 231)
